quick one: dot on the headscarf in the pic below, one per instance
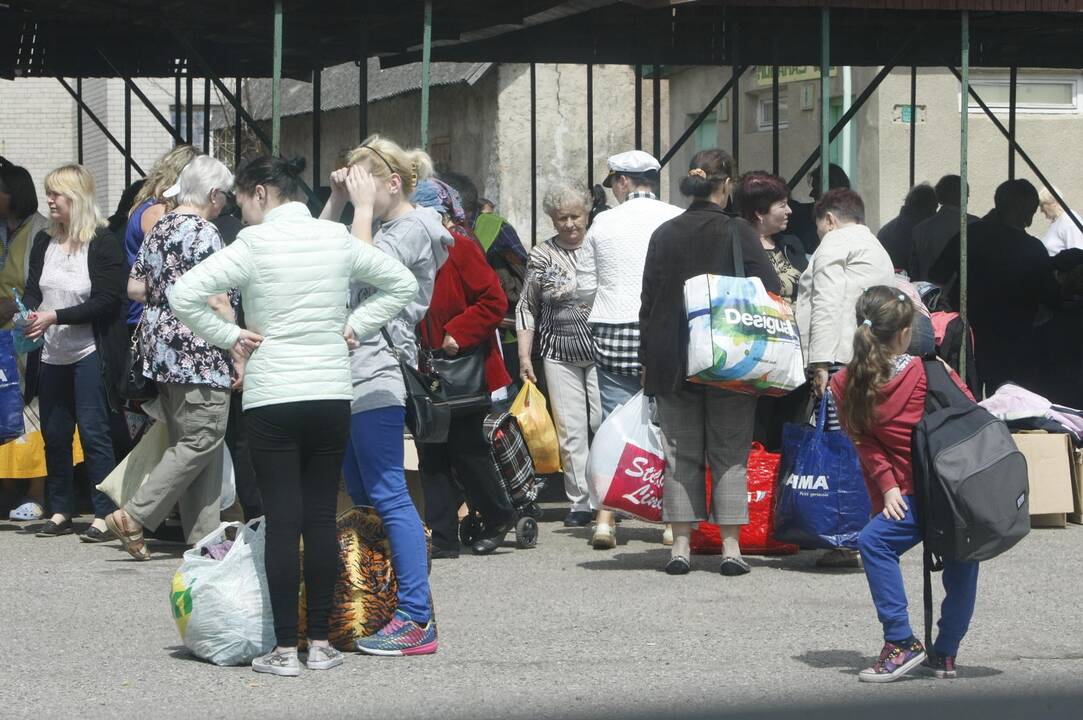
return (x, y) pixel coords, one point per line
(441, 197)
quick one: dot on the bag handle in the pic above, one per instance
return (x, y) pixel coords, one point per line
(821, 413)
(738, 253)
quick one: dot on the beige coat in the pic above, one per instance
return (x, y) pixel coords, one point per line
(848, 261)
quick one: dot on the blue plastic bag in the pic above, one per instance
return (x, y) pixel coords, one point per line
(822, 500)
(23, 345)
(11, 397)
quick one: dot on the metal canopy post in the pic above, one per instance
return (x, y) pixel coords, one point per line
(317, 109)
(775, 159)
(101, 126)
(913, 122)
(189, 110)
(426, 77)
(825, 97)
(533, 154)
(964, 185)
(1021, 152)
(590, 126)
(173, 130)
(79, 116)
(178, 103)
(735, 120)
(639, 106)
(656, 119)
(237, 128)
(206, 116)
(276, 84)
(363, 87)
(701, 117)
(1013, 86)
(127, 136)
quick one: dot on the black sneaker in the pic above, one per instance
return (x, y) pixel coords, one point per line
(439, 553)
(941, 666)
(52, 529)
(578, 518)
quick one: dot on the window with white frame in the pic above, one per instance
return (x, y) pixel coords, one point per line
(1035, 94)
(765, 112)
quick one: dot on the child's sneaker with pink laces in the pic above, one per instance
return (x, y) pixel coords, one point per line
(896, 660)
(401, 636)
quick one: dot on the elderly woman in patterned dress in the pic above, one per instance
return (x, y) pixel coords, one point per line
(193, 377)
(550, 309)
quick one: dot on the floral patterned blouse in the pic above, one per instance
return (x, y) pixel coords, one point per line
(550, 306)
(171, 352)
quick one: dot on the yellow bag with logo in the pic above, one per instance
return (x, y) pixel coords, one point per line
(532, 414)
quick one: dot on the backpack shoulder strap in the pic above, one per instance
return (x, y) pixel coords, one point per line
(941, 391)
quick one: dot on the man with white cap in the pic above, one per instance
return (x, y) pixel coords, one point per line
(609, 271)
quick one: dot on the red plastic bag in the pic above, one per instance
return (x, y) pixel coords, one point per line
(756, 536)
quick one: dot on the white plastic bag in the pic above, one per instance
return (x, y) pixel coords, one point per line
(222, 607)
(627, 463)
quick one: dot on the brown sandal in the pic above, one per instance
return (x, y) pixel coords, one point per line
(133, 542)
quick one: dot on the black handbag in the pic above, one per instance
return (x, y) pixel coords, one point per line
(135, 386)
(460, 380)
(427, 418)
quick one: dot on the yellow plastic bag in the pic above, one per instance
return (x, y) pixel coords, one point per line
(530, 411)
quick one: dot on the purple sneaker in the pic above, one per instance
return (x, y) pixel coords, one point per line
(942, 666)
(895, 661)
(401, 636)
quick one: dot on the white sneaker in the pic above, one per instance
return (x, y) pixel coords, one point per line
(667, 536)
(605, 537)
(276, 663)
(323, 657)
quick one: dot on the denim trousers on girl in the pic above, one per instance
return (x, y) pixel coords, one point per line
(882, 542)
(373, 467)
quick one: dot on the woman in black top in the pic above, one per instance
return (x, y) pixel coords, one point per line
(698, 421)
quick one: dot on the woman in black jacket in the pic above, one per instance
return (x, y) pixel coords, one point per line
(75, 286)
(699, 421)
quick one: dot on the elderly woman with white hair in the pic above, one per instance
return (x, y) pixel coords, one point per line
(551, 309)
(193, 376)
(1063, 234)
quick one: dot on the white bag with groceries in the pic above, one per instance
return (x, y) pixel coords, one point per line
(627, 462)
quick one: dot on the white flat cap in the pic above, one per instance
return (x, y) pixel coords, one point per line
(631, 162)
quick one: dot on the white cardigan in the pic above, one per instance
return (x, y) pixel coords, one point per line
(294, 274)
(848, 262)
(609, 268)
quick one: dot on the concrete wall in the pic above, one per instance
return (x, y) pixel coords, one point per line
(38, 129)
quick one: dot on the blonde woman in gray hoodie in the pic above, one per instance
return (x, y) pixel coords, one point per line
(373, 466)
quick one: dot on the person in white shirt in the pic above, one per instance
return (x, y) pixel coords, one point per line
(608, 273)
(1063, 234)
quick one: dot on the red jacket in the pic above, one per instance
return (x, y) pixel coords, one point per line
(468, 304)
(885, 451)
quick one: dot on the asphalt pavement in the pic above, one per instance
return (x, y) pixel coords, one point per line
(558, 631)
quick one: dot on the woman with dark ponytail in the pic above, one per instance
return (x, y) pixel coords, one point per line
(881, 397)
(700, 423)
(294, 273)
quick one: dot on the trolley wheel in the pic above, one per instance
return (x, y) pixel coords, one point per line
(533, 510)
(526, 532)
(470, 529)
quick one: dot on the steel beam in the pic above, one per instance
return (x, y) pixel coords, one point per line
(178, 104)
(533, 154)
(590, 126)
(206, 115)
(363, 87)
(735, 121)
(1013, 88)
(656, 115)
(101, 126)
(1020, 151)
(127, 136)
(825, 98)
(79, 117)
(775, 154)
(913, 123)
(426, 74)
(173, 130)
(237, 128)
(189, 111)
(317, 110)
(639, 106)
(276, 83)
(964, 184)
(691, 129)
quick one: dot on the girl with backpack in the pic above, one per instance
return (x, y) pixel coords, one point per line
(881, 397)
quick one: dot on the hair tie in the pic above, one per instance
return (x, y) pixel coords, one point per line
(866, 321)
(697, 172)
(413, 173)
(902, 298)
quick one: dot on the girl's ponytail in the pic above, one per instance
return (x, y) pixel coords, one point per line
(882, 313)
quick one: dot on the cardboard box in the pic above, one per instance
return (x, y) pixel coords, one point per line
(1076, 516)
(1049, 520)
(1051, 469)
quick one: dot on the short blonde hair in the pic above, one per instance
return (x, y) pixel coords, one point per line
(163, 175)
(383, 157)
(199, 178)
(1045, 196)
(563, 194)
(75, 182)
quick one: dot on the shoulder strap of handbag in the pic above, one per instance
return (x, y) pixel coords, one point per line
(738, 251)
(390, 343)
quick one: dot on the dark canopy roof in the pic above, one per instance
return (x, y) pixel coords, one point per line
(146, 37)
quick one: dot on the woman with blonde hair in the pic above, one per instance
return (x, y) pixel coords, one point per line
(379, 179)
(76, 289)
(150, 205)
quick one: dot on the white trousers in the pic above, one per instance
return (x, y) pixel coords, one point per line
(577, 411)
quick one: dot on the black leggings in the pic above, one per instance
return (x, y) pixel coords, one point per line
(297, 451)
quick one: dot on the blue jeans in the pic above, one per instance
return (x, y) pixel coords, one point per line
(73, 395)
(616, 389)
(373, 467)
(882, 542)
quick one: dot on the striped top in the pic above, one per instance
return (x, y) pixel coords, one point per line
(550, 307)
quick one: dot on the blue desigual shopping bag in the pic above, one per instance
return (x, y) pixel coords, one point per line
(822, 500)
(11, 398)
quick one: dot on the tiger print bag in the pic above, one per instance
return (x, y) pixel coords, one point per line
(366, 591)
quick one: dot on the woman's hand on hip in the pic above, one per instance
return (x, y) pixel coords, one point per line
(247, 343)
(39, 323)
(351, 339)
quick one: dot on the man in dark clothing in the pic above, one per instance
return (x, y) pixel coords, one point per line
(1009, 276)
(931, 235)
(802, 223)
(897, 235)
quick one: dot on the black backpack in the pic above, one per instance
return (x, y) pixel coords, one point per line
(971, 481)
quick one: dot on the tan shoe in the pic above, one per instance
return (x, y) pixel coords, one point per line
(605, 537)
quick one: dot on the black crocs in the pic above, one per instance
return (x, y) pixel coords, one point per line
(52, 529)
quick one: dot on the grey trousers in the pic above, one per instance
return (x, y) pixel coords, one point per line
(190, 472)
(703, 424)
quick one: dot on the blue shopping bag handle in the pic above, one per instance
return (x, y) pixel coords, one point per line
(821, 414)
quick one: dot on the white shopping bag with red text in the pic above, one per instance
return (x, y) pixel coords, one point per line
(626, 463)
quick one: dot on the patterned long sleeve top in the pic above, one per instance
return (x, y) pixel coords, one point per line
(551, 307)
